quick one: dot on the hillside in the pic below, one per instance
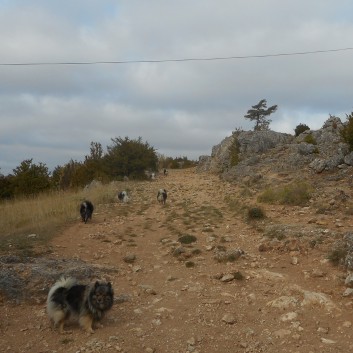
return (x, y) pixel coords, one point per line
(244, 285)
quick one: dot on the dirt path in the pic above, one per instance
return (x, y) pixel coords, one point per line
(187, 298)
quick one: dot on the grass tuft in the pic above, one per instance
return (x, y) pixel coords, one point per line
(187, 239)
(295, 194)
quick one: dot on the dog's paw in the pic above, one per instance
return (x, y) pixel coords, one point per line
(90, 331)
(66, 332)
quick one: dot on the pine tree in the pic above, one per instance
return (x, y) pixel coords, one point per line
(259, 113)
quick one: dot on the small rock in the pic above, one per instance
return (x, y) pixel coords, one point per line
(294, 260)
(136, 269)
(191, 341)
(349, 281)
(318, 273)
(323, 330)
(347, 324)
(281, 333)
(289, 316)
(327, 341)
(243, 345)
(129, 258)
(229, 319)
(283, 302)
(227, 278)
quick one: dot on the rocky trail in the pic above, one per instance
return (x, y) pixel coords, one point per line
(195, 276)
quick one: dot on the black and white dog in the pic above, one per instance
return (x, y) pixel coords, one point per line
(86, 210)
(162, 196)
(123, 196)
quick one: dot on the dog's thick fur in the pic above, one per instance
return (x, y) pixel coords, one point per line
(68, 298)
(162, 196)
(123, 196)
(86, 210)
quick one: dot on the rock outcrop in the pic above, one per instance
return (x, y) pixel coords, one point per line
(246, 154)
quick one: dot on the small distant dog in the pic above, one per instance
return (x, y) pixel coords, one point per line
(88, 303)
(162, 196)
(123, 196)
(86, 210)
(165, 172)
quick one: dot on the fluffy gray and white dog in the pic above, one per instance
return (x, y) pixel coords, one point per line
(162, 196)
(88, 303)
(86, 210)
(123, 196)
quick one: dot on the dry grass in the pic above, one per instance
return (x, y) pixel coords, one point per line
(296, 194)
(43, 215)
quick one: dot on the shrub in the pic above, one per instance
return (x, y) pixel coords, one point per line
(256, 213)
(295, 194)
(310, 139)
(347, 131)
(190, 264)
(301, 128)
(234, 151)
(238, 276)
(187, 239)
(337, 255)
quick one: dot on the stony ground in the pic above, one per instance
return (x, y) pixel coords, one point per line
(217, 294)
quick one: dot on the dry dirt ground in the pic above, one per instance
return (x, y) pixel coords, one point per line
(180, 298)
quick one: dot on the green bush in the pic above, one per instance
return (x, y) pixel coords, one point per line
(256, 213)
(310, 139)
(301, 128)
(187, 239)
(347, 131)
(30, 178)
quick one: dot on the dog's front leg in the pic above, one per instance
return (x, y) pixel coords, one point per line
(86, 322)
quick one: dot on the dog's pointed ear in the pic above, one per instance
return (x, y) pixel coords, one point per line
(96, 284)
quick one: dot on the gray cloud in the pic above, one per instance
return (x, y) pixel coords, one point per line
(52, 113)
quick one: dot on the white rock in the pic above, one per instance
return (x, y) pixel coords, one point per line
(229, 319)
(289, 316)
(327, 341)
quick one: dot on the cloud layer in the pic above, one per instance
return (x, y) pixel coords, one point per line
(51, 113)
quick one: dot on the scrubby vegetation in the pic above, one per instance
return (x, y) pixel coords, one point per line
(187, 239)
(347, 131)
(309, 138)
(337, 255)
(255, 213)
(175, 163)
(300, 128)
(234, 152)
(125, 157)
(42, 215)
(295, 194)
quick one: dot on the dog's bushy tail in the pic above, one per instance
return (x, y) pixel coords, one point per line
(52, 308)
(63, 282)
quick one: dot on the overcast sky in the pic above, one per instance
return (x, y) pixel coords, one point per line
(51, 113)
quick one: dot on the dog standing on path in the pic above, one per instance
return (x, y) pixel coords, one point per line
(88, 303)
(86, 210)
(162, 196)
